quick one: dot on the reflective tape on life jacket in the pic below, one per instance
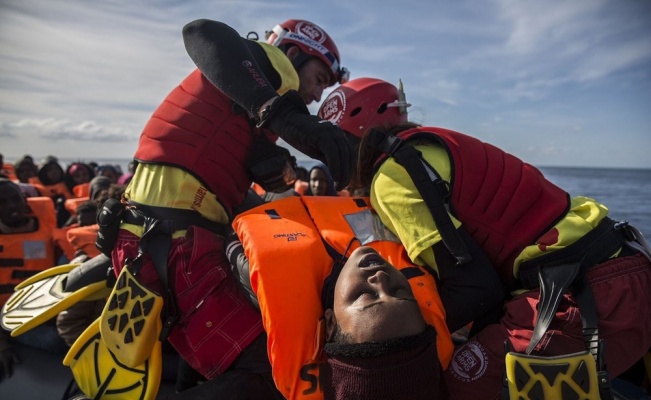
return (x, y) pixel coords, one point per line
(290, 265)
(25, 254)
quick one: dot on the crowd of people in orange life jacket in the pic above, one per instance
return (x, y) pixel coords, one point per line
(56, 207)
(63, 203)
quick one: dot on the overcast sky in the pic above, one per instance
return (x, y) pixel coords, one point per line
(555, 82)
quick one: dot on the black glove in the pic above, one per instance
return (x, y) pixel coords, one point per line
(289, 118)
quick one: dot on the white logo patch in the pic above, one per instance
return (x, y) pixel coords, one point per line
(469, 362)
(333, 108)
(313, 32)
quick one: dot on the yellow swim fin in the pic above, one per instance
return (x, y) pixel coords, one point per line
(100, 375)
(131, 322)
(42, 296)
(560, 377)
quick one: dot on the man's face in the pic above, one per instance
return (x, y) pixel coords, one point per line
(12, 205)
(314, 77)
(318, 182)
(373, 300)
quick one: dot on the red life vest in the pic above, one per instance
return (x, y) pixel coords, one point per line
(503, 202)
(197, 129)
(289, 266)
(25, 254)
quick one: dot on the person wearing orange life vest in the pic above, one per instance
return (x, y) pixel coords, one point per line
(7, 169)
(320, 182)
(25, 169)
(26, 248)
(50, 177)
(531, 230)
(77, 177)
(207, 141)
(26, 229)
(310, 296)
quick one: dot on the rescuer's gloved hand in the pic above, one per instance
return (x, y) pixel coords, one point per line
(289, 118)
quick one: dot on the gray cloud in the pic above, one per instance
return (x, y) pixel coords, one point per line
(493, 69)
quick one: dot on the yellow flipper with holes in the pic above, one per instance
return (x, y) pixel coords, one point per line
(42, 296)
(560, 377)
(100, 375)
(130, 322)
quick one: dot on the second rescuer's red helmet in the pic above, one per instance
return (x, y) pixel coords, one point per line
(313, 41)
(362, 103)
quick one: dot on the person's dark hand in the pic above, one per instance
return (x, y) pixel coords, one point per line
(8, 357)
(289, 118)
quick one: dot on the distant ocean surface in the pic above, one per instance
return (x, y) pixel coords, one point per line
(626, 192)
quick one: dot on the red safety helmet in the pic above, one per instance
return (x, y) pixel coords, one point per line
(362, 103)
(313, 41)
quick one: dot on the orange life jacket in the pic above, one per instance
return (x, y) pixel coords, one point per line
(259, 190)
(25, 254)
(301, 186)
(52, 191)
(290, 265)
(9, 171)
(82, 239)
(61, 241)
(72, 204)
(81, 190)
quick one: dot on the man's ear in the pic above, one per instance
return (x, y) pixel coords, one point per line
(331, 324)
(292, 52)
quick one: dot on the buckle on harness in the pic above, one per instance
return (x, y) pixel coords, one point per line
(391, 144)
(625, 229)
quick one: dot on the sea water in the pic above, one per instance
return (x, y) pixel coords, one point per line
(626, 192)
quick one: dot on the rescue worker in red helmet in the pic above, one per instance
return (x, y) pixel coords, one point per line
(312, 41)
(469, 293)
(208, 140)
(357, 104)
(550, 251)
